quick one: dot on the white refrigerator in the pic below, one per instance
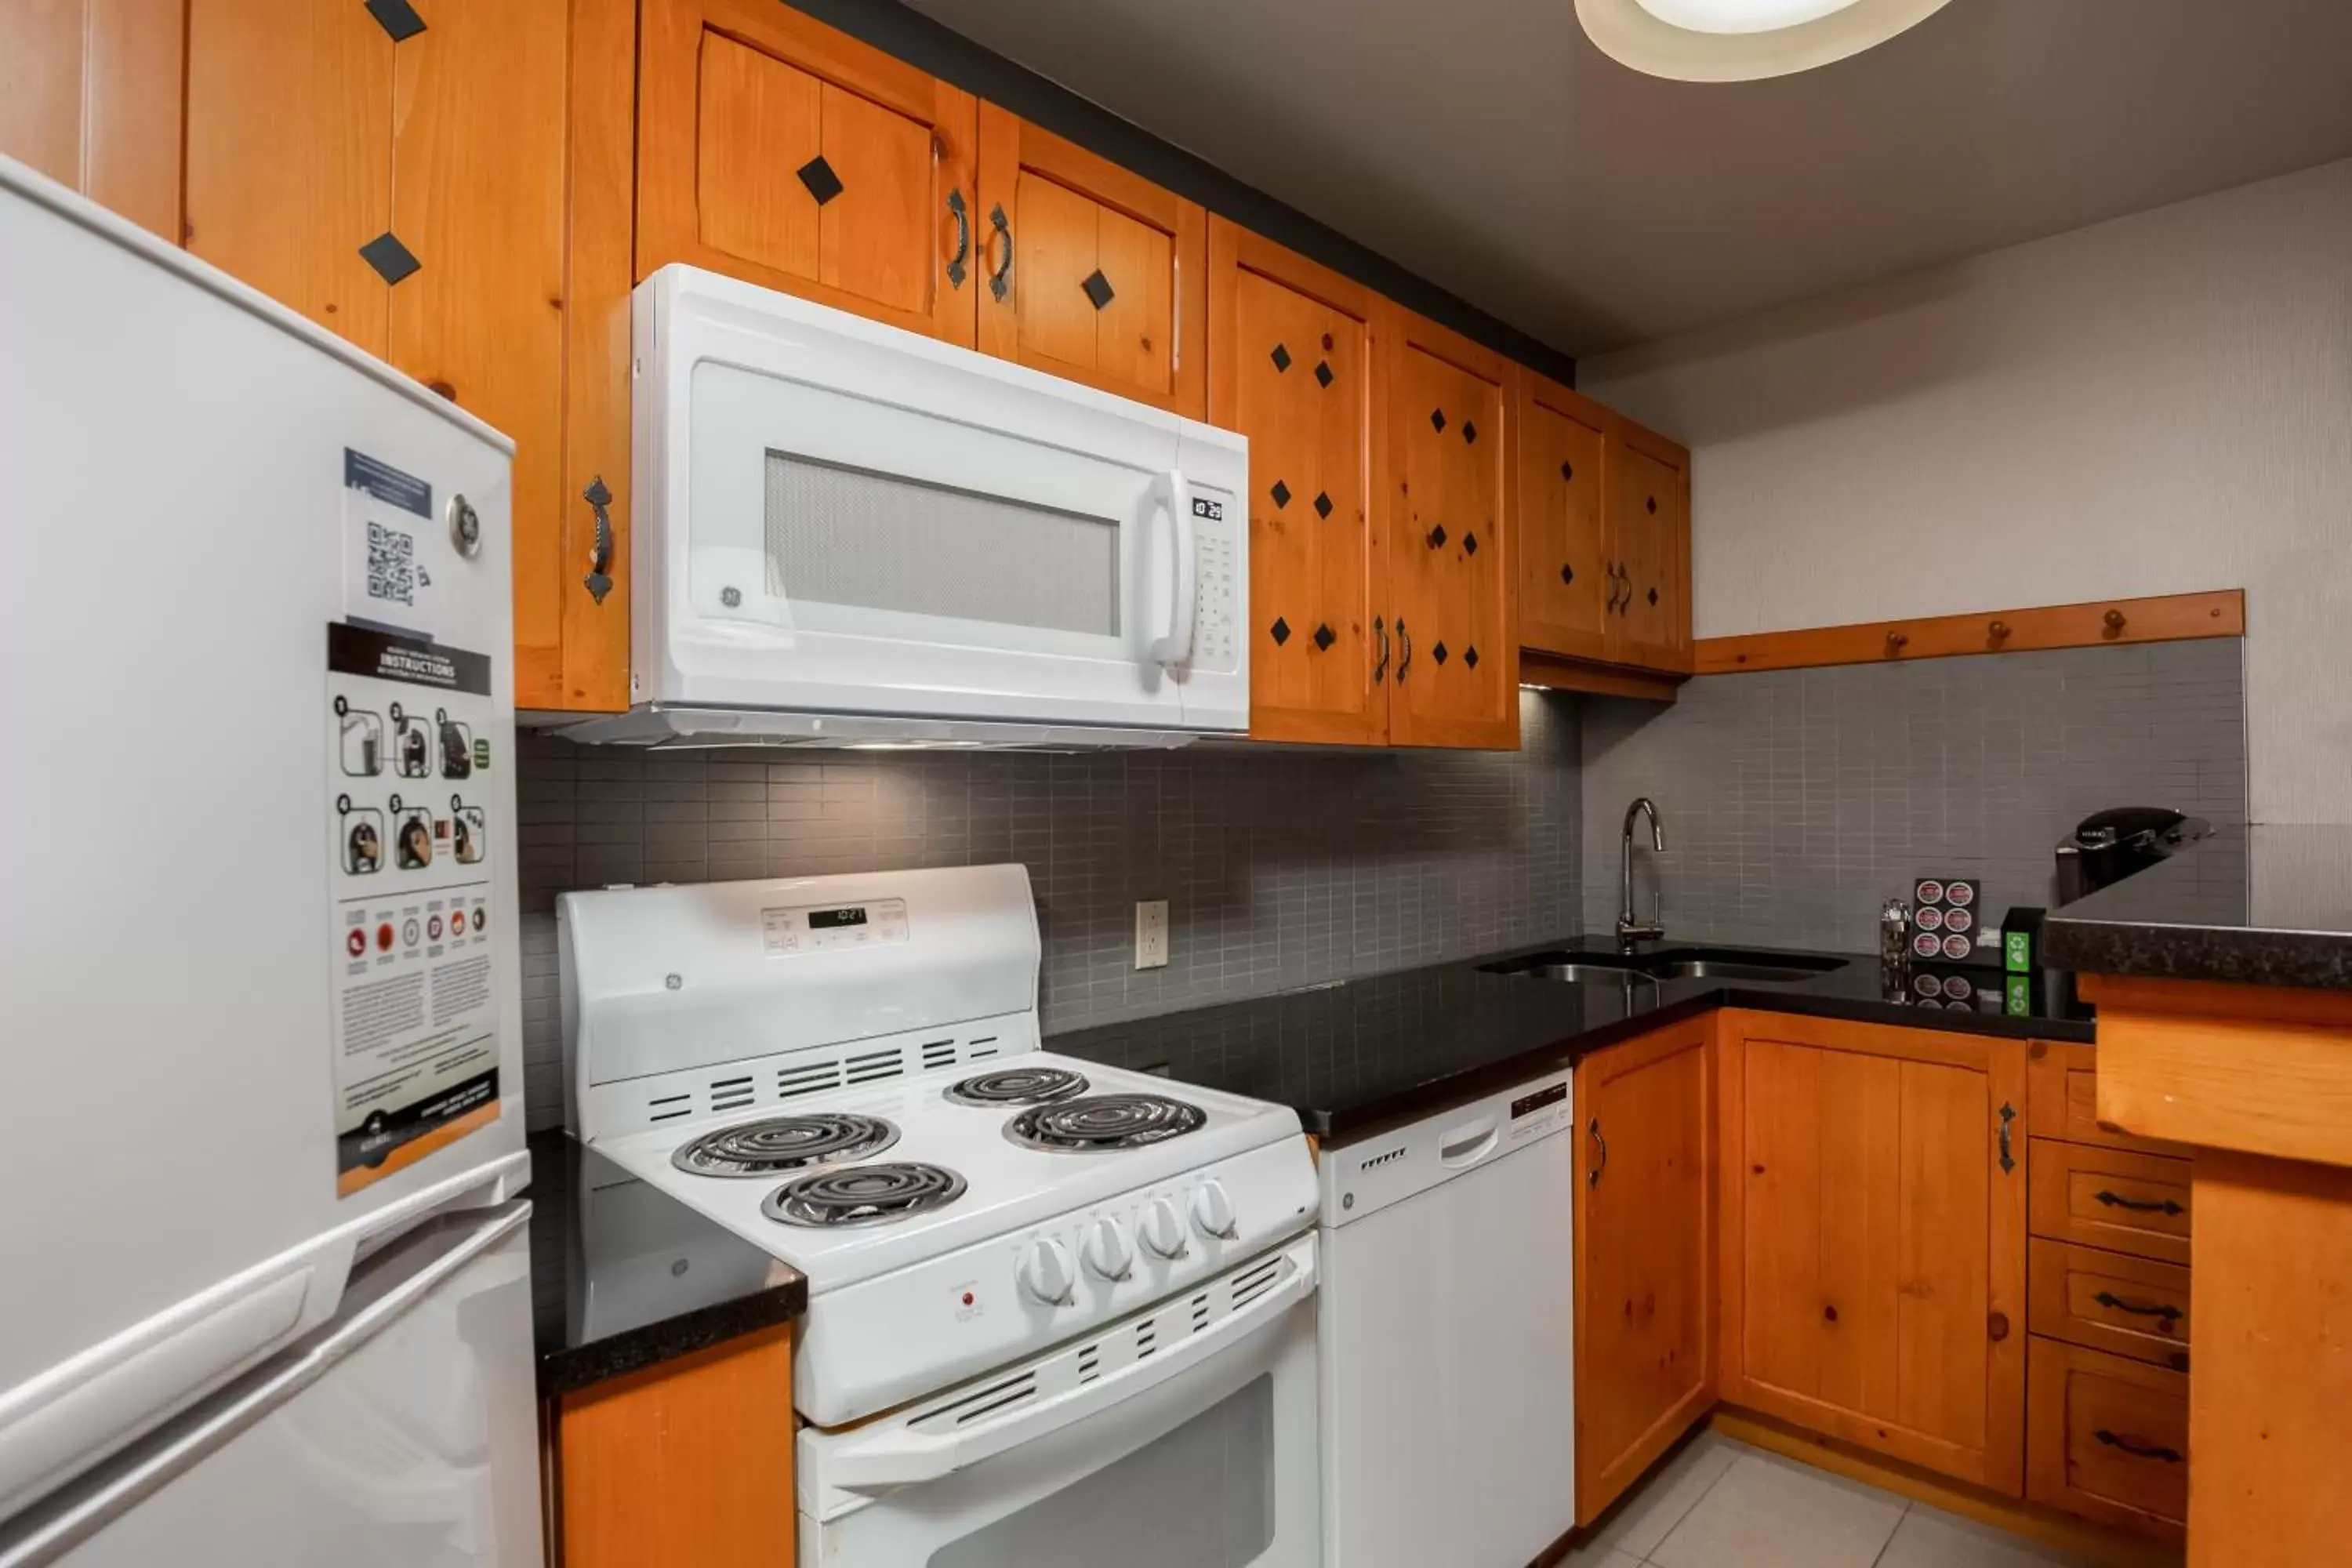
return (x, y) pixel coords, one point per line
(264, 1285)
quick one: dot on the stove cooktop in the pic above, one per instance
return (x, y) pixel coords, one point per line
(899, 1173)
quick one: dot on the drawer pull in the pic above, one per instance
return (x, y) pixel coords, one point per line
(2110, 1300)
(2137, 1205)
(2139, 1450)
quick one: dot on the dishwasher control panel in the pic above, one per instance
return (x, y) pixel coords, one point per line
(1387, 1168)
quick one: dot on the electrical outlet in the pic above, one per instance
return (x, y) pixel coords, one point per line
(1151, 933)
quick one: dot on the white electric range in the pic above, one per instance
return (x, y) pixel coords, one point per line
(1039, 1288)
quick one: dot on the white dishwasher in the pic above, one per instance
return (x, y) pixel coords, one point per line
(1449, 1336)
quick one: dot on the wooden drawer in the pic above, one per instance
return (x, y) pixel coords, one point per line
(2106, 1437)
(2109, 1302)
(2111, 1198)
(2062, 1089)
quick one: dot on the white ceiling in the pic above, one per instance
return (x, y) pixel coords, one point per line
(1487, 146)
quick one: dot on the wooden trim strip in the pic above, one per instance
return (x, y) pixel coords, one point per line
(2165, 618)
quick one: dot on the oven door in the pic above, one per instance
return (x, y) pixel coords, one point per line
(1178, 1437)
(848, 519)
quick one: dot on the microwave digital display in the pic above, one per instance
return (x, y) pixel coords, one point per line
(834, 919)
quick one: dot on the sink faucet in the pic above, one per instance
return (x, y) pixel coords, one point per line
(1629, 930)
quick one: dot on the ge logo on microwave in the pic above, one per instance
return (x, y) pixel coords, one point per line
(1214, 511)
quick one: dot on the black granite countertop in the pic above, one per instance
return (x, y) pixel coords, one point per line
(2252, 906)
(1357, 1055)
(624, 1277)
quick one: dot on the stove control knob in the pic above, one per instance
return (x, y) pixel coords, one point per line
(1047, 1273)
(1214, 1212)
(1108, 1252)
(1163, 1228)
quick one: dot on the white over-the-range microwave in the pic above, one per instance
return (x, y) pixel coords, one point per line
(844, 533)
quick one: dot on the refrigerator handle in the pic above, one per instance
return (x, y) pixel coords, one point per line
(47, 1531)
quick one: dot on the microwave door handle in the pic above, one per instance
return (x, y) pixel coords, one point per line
(1173, 493)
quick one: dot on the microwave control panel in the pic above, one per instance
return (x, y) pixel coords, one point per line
(1217, 606)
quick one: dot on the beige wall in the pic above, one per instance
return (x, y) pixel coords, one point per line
(2156, 405)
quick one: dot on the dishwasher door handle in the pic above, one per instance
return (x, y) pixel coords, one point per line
(1468, 1143)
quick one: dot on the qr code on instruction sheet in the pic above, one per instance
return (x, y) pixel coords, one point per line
(391, 565)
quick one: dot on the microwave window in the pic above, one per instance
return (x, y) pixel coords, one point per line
(838, 535)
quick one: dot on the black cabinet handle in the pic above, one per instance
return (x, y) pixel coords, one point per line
(2139, 1450)
(963, 239)
(599, 549)
(1380, 631)
(1001, 280)
(1592, 1131)
(2118, 1201)
(2114, 1302)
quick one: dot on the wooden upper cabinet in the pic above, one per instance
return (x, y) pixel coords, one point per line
(91, 95)
(1566, 572)
(289, 154)
(1648, 503)
(1456, 680)
(1645, 1222)
(1088, 271)
(775, 149)
(1874, 1238)
(1290, 366)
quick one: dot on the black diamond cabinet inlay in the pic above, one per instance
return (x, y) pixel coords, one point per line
(1653, 596)
(392, 260)
(1437, 537)
(1097, 289)
(1438, 653)
(1324, 638)
(1437, 420)
(1470, 656)
(1281, 631)
(1323, 373)
(818, 177)
(1568, 472)
(1566, 573)
(1652, 504)
(1281, 357)
(1322, 503)
(1470, 432)
(1470, 544)
(1281, 494)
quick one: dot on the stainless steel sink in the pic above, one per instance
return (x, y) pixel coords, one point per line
(1669, 963)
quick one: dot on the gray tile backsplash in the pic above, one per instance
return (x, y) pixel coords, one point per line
(1796, 802)
(1282, 868)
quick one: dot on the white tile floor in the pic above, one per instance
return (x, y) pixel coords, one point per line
(1721, 1504)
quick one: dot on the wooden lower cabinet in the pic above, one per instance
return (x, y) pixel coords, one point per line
(1874, 1238)
(2108, 1438)
(684, 1465)
(1645, 1286)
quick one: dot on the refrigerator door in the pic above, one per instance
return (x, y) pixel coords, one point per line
(230, 1069)
(403, 1433)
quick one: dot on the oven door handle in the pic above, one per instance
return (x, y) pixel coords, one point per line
(903, 1456)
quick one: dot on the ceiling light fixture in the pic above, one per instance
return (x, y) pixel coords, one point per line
(1743, 40)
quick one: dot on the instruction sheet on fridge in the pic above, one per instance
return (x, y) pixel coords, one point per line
(415, 992)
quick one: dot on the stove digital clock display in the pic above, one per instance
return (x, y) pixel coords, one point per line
(834, 919)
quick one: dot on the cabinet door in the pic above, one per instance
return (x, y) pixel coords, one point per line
(1449, 556)
(1290, 366)
(1646, 1238)
(1566, 580)
(1874, 1238)
(775, 149)
(1648, 521)
(1090, 272)
(290, 156)
(477, 196)
(89, 95)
